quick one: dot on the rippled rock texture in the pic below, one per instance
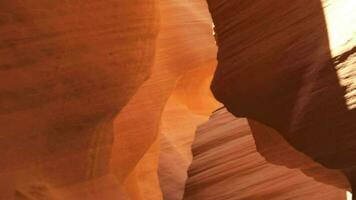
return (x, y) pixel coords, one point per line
(227, 165)
(291, 66)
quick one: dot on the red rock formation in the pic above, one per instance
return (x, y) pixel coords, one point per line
(186, 108)
(69, 70)
(66, 69)
(177, 133)
(276, 150)
(278, 65)
(184, 25)
(76, 64)
(226, 165)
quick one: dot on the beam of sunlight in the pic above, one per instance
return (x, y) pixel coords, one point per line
(348, 196)
(340, 17)
(346, 71)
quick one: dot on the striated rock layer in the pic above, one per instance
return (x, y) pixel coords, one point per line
(226, 165)
(291, 66)
(276, 150)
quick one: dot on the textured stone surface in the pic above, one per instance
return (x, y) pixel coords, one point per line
(187, 107)
(276, 150)
(69, 70)
(66, 69)
(291, 65)
(184, 44)
(226, 165)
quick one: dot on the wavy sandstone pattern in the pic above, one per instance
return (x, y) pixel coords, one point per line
(227, 166)
(100, 100)
(291, 66)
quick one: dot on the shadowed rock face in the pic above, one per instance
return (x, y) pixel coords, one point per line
(275, 66)
(276, 150)
(226, 165)
(66, 69)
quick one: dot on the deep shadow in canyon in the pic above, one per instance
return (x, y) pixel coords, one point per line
(275, 66)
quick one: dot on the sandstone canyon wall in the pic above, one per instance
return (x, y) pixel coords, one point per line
(227, 165)
(100, 100)
(189, 105)
(291, 66)
(183, 26)
(66, 69)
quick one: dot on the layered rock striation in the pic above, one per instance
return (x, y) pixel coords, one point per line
(291, 66)
(96, 98)
(226, 165)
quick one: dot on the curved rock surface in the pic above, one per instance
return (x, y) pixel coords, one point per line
(188, 106)
(291, 66)
(94, 102)
(184, 44)
(276, 150)
(76, 64)
(66, 69)
(226, 165)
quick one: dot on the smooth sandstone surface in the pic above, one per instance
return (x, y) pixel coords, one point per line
(66, 69)
(227, 165)
(187, 107)
(185, 45)
(76, 64)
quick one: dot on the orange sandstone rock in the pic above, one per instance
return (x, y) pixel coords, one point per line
(66, 69)
(184, 44)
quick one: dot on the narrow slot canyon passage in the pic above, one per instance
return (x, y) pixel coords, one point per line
(137, 100)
